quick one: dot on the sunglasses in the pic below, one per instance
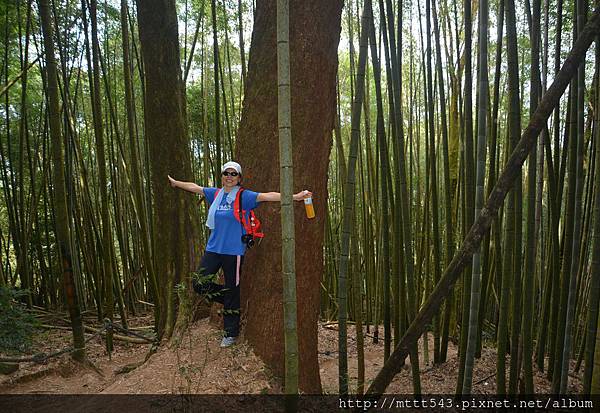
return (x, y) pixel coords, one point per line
(225, 173)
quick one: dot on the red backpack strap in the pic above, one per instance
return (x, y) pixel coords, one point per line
(236, 207)
(239, 213)
(250, 224)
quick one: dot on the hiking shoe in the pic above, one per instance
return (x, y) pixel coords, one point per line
(228, 341)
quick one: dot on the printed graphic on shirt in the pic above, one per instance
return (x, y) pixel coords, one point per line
(226, 237)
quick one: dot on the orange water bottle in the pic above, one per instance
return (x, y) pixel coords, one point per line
(310, 209)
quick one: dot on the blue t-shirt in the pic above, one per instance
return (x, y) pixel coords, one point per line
(226, 238)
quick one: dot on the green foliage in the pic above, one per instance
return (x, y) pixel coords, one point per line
(16, 326)
(204, 280)
(180, 289)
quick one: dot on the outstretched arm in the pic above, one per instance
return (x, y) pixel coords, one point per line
(186, 186)
(276, 196)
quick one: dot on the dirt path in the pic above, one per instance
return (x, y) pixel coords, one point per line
(199, 365)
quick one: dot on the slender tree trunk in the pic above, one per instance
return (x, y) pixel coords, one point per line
(496, 263)
(514, 129)
(24, 224)
(569, 227)
(447, 185)
(554, 268)
(383, 156)
(528, 301)
(469, 198)
(595, 386)
(577, 145)
(592, 349)
(433, 184)
(398, 256)
(482, 109)
(60, 201)
(107, 241)
(190, 58)
(287, 204)
(217, 108)
(241, 38)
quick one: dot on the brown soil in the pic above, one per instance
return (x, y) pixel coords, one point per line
(199, 365)
(435, 379)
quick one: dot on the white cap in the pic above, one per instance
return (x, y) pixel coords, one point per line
(232, 165)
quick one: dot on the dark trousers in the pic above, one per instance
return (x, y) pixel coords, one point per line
(229, 294)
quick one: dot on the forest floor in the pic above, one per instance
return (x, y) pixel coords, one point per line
(199, 365)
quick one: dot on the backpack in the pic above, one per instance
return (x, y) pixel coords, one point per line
(250, 224)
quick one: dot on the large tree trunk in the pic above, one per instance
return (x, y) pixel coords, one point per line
(165, 130)
(314, 37)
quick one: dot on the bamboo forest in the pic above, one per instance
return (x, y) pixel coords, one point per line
(416, 184)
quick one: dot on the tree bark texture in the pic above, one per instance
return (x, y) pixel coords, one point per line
(314, 35)
(174, 242)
